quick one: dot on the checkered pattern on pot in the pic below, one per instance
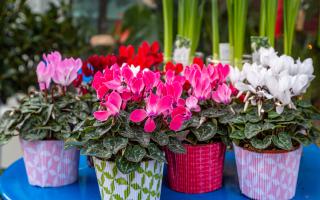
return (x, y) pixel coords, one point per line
(199, 170)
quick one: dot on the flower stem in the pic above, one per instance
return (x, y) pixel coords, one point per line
(167, 18)
(290, 12)
(215, 29)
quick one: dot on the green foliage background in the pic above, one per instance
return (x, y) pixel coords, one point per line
(24, 36)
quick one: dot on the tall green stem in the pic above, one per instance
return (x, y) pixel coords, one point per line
(168, 33)
(290, 12)
(237, 18)
(268, 14)
(215, 29)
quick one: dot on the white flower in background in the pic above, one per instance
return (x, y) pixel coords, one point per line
(273, 77)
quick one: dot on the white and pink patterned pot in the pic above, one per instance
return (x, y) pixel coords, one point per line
(268, 176)
(48, 164)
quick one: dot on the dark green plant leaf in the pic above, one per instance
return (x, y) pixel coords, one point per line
(302, 139)
(213, 112)
(268, 126)
(134, 153)
(142, 137)
(126, 166)
(261, 144)
(252, 130)
(237, 134)
(155, 153)
(115, 143)
(282, 140)
(238, 119)
(175, 146)
(96, 150)
(304, 104)
(206, 131)
(160, 138)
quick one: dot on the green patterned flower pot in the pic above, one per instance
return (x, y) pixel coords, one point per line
(145, 183)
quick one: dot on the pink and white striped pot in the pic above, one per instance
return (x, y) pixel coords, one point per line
(199, 170)
(268, 176)
(48, 164)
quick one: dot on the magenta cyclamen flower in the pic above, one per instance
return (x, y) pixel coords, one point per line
(155, 106)
(112, 104)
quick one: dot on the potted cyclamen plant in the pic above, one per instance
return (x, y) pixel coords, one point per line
(126, 132)
(206, 97)
(44, 119)
(269, 133)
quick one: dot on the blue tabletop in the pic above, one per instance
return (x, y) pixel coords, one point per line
(14, 184)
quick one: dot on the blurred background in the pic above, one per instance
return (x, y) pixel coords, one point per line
(80, 28)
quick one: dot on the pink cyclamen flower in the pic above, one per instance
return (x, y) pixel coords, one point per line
(222, 94)
(45, 69)
(178, 115)
(66, 71)
(44, 74)
(155, 106)
(113, 104)
(192, 104)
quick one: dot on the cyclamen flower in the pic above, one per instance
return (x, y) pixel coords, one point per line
(273, 77)
(45, 69)
(112, 104)
(192, 104)
(155, 106)
(66, 71)
(222, 94)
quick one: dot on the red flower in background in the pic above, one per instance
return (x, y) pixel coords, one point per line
(198, 61)
(148, 56)
(77, 82)
(98, 63)
(126, 54)
(177, 68)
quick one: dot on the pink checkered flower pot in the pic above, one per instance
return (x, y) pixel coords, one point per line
(48, 164)
(268, 176)
(197, 171)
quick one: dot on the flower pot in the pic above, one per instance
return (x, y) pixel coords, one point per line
(145, 183)
(268, 175)
(48, 164)
(199, 170)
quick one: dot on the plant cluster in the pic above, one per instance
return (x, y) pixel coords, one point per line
(136, 109)
(141, 111)
(52, 112)
(208, 96)
(274, 115)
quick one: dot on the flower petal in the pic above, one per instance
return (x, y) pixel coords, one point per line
(176, 123)
(164, 104)
(138, 115)
(101, 115)
(149, 126)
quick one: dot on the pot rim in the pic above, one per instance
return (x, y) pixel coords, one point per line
(269, 151)
(203, 145)
(40, 140)
(94, 157)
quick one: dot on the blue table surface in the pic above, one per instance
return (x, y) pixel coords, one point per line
(14, 184)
